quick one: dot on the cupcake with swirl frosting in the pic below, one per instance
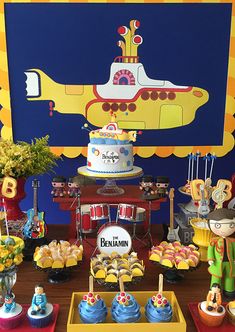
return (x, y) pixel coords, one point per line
(125, 309)
(158, 308)
(92, 309)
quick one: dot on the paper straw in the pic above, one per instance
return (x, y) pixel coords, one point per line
(91, 283)
(198, 155)
(206, 168)
(160, 284)
(192, 166)
(121, 285)
(212, 164)
(189, 166)
(5, 212)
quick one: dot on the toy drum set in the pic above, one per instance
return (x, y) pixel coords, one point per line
(90, 217)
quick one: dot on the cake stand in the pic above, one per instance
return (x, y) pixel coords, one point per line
(190, 206)
(59, 275)
(110, 187)
(173, 275)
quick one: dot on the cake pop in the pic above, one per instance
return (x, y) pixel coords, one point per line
(92, 309)
(158, 308)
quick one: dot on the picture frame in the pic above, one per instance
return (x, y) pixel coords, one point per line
(150, 141)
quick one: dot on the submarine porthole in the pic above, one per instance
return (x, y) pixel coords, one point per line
(171, 95)
(123, 107)
(154, 95)
(162, 95)
(114, 107)
(131, 107)
(145, 95)
(106, 107)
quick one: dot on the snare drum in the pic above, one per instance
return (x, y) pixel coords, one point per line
(87, 225)
(126, 212)
(99, 211)
(140, 215)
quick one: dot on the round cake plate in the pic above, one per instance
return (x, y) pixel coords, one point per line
(110, 187)
(190, 206)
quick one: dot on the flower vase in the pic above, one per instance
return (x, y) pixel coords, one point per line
(7, 281)
(12, 204)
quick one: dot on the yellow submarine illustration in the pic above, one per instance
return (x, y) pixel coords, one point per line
(139, 101)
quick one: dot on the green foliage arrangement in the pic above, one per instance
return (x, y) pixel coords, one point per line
(22, 159)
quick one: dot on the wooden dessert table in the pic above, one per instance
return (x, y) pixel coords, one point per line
(132, 195)
(193, 288)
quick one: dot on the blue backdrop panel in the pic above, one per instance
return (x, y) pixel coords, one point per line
(187, 44)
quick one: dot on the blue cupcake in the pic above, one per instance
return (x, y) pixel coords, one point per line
(92, 309)
(40, 313)
(41, 319)
(158, 309)
(125, 309)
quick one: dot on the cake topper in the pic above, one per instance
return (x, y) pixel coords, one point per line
(9, 303)
(159, 300)
(221, 250)
(91, 298)
(39, 301)
(214, 299)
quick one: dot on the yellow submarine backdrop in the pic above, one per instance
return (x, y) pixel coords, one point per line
(138, 101)
(73, 62)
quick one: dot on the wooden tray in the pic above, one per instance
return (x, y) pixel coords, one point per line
(177, 324)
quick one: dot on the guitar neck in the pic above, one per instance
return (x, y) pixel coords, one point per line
(35, 201)
(171, 213)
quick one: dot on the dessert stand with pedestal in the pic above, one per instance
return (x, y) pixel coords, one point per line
(110, 187)
(174, 275)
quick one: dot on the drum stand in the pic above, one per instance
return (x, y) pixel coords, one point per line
(78, 220)
(148, 233)
(134, 236)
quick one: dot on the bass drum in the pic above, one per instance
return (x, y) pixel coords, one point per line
(113, 238)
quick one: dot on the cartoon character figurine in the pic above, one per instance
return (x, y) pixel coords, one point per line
(58, 184)
(147, 186)
(162, 183)
(9, 303)
(214, 299)
(39, 301)
(74, 187)
(221, 250)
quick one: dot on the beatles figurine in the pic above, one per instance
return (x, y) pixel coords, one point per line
(162, 183)
(221, 251)
(9, 303)
(214, 299)
(147, 186)
(74, 187)
(40, 313)
(39, 301)
(58, 184)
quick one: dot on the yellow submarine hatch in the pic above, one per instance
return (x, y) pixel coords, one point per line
(138, 101)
